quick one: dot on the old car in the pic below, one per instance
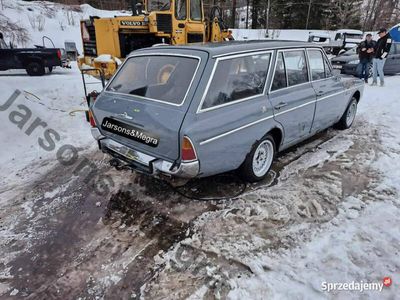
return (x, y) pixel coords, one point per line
(348, 62)
(199, 110)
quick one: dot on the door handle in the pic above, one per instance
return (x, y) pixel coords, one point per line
(280, 105)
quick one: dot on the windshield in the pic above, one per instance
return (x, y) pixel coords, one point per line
(162, 78)
(158, 5)
(354, 36)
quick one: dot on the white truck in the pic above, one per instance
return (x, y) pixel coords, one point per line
(338, 42)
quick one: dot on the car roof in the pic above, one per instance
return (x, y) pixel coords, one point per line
(231, 47)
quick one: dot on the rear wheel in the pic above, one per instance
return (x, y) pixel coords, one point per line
(259, 161)
(349, 115)
(35, 69)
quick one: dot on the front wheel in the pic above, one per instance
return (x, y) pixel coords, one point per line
(349, 115)
(259, 161)
(35, 69)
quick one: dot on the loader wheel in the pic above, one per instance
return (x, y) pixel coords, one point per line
(35, 69)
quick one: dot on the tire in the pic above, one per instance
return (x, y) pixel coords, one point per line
(35, 69)
(349, 115)
(259, 161)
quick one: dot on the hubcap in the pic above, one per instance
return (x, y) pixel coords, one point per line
(262, 158)
(351, 113)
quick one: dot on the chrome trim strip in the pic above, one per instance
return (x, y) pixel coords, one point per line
(266, 49)
(329, 96)
(234, 130)
(200, 110)
(294, 108)
(277, 114)
(156, 54)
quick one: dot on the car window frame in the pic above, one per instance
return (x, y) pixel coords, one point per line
(287, 78)
(222, 58)
(309, 66)
(151, 99)
(326, 61)
(273, 75)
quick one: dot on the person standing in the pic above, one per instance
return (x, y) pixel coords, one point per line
(366, 54)
(382, 49)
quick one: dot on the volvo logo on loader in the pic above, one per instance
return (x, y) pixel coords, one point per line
(132, 23)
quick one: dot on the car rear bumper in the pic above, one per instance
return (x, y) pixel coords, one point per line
(144, 163)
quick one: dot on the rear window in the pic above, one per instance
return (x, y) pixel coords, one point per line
(237, 78)
(161, 78)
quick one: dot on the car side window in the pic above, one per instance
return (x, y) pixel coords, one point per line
(280, 79)
(237, 78)
(328, 70)
(317, 64)
(296, 67)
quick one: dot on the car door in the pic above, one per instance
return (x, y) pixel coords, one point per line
(292, 95)
(328, 88)
(392, 64)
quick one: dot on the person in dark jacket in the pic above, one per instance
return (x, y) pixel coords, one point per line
(366, 53)
(382, 49)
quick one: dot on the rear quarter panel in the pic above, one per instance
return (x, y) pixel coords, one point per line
(225, 135)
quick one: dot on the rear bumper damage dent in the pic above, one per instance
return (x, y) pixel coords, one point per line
(153, 165)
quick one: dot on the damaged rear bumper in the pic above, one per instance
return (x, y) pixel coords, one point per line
(144, 163)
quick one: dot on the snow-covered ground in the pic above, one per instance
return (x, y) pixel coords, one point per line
(328, 213)
(331, 215)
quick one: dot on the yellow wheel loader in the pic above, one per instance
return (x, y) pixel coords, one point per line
(107, 41)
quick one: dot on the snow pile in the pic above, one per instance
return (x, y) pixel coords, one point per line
(276, 34)
(38, 18)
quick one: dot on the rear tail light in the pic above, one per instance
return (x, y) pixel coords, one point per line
(188, 151)
(91, 98)
(91, 119)
(59, 54)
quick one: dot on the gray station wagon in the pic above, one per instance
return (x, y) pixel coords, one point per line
(199, 110)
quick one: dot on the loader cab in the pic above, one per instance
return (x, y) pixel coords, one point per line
(187, 25)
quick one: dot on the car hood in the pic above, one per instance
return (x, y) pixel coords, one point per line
(344, 58)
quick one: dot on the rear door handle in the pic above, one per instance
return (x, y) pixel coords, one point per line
(280, 105)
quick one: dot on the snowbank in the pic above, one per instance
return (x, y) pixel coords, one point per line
(58, 22)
